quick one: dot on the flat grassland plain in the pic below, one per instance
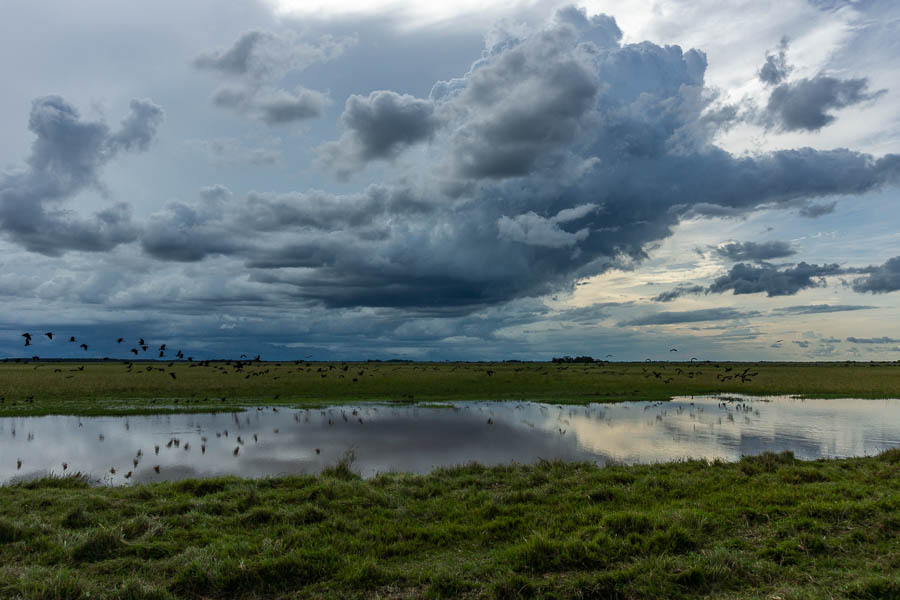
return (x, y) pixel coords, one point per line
(148, 387)
(764, 527)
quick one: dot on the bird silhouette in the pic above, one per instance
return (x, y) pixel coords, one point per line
(144, 347)
(141, 342)
(71, 338)
(27, 337)
(85, 346)
(135, 351)
(120, 340)
(49, 334)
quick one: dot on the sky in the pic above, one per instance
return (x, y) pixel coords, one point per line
(477, 181)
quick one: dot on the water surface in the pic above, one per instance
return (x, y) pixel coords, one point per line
(261, 442)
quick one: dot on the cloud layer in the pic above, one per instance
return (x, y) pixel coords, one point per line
(66, 158)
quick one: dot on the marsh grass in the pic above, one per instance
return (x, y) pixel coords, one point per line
(110, 388)
(762, 527)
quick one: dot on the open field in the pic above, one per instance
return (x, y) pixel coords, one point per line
(764, 527)
(111, 388)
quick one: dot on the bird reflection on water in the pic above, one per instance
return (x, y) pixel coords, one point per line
(418, 438)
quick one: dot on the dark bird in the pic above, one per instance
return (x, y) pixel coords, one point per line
(72, 338)
(141, 342)
(135, 351)
(144, 348)
(172, 375)
(156, 468)
(112, 470)
(180, 354)
(673, 350)
(18, 464)
(162, 348)
(161, 354)
(27, 336)
(65, 466)
(128, 475)
(236, 450)
(84, 346)
(120, 340)
(28, 341)
(49, 334)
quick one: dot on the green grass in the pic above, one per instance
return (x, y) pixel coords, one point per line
(113, 389)
(764, 527)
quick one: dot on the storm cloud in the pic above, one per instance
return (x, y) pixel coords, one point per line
(378, 126)
(880, 279)
(806, 103)
(754, 251)
(66, 158)
(771, 280)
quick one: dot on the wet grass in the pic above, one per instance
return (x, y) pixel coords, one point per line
(764, 527)
(113, 388)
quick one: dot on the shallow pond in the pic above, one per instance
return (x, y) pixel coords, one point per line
(268, 441)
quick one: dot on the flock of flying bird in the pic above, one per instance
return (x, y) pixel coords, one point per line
(142, 344)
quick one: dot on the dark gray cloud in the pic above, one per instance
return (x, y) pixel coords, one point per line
(678, 292)
(880, 279)
(878, 340)
(66, 158)
(754, 251)
(775, 69)
(770, 279)
(378, 126)
(257, 61)
(750, 279)
(805, 104)
(690, 316)
(811, 309)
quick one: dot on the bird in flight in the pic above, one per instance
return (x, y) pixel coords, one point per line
(71, 338)
(135, 351)
(49, 334)
(27, 337)
(120, 340)
(141, 342)
(673, 350)
(84, 346)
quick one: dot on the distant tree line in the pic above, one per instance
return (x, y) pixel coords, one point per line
(569, 359)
